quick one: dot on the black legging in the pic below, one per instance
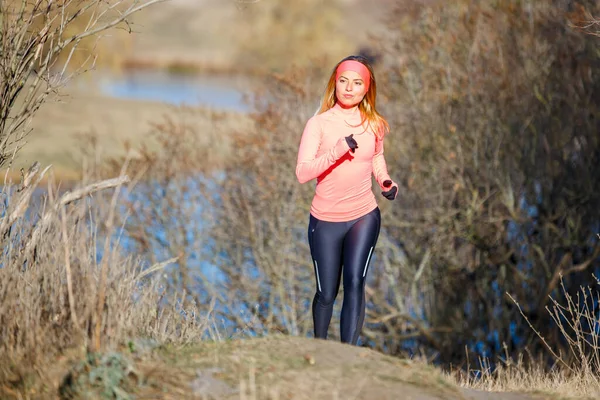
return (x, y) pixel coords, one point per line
(333, 245)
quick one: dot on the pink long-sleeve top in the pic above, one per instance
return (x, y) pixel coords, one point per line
(344, 185)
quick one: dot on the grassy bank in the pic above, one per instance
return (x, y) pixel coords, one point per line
(82, 126)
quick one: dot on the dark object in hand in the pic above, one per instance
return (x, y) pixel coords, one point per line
(351, 143)
(391, 193)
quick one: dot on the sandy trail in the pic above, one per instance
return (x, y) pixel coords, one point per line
(302, 368)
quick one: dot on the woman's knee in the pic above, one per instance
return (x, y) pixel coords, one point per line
(354, 284)
(325, 298)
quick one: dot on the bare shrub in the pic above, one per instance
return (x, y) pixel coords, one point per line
(263, 211)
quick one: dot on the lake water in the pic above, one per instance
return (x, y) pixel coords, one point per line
(224, 92)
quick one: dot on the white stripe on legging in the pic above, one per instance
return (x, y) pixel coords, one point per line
(317, 270)
(367, 263)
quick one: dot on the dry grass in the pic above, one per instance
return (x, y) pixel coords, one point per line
(535, 380)
(573, 374)
(51, 276)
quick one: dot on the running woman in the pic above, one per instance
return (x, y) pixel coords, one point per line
(342, 146)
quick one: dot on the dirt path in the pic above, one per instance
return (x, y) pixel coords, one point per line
(300, 368)
(471, 394)
(270, 368)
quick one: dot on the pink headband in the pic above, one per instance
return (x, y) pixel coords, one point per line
(356, 66)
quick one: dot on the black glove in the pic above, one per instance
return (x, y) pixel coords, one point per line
(351, 143)
(389, 194)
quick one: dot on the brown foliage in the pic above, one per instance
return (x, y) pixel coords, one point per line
(495, 107)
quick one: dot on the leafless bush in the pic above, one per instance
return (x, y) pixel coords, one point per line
(171, 213)
(236, 231)
(262, 213)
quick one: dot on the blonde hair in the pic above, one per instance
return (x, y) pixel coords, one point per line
(367, 108)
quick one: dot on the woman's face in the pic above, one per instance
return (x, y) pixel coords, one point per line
(350, 89)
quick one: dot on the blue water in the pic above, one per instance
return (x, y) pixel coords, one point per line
(213, 91)
(189, 222)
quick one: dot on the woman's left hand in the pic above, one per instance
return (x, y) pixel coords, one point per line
(392, 189)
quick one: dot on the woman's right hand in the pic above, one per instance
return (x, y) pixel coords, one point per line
(351, 143)
(343, 146)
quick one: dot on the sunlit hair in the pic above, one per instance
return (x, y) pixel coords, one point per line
(367, 108)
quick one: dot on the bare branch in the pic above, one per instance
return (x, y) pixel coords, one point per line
(33, 41)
